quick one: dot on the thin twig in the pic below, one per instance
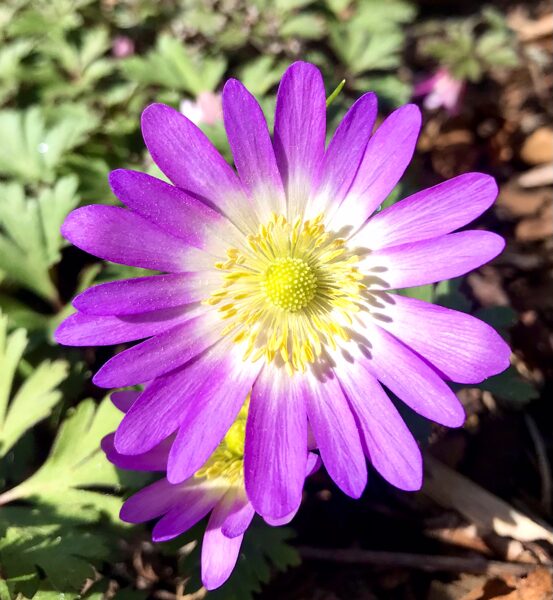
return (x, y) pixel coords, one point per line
(421, 562)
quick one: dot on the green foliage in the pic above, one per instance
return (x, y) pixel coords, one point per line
(39, 539)
(30, 239)
(75, 465)
(36, 396)
(35, 147)
(471, 47)
(172, 66)
(372, 40)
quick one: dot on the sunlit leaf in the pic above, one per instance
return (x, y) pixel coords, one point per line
(77, 467)
(36, 396)
(30, 238)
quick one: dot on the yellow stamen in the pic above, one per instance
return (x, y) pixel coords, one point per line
(227, 461)
(289, 291)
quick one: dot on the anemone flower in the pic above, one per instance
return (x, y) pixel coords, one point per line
(277, 281)
(441, 90)
(217, 488)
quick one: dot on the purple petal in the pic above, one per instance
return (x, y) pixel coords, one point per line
(172, 210)
(337, 435)
(156, 499)
(433, 260)
(124, 400)
(300, 129)
(313, 464)
(219, 552)
(145, 294)
(389, 445)
(410, 379)
(344, 154)
(275, 456)
(252, 149)
(205, 420)
(175, 398)
(463, 348)
(124, 237)
(430, 213)
(240, 513)
(191, 508)
(192, 162)
(153, 460)
(87, 330)
(386, 157)
(160, 354)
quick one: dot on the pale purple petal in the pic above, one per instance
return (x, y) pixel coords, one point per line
(153, 460)
(160, 354)
(252, 150)
(191, 161)
(300, 129)
(173, 210)
(123, 237)
(389, 445)
(239, 512)
(275, 456)
(145, 294)
(386, 157)
(177, 397)
(432, 260)
(88, 330)
(204, 422)
(336, 434)
(430, 213)
(343, 155)
(219, 552)
(409, 378)
(313, 464)
(463, 348)
(192, 507)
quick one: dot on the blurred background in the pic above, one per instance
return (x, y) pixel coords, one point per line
(74, 78)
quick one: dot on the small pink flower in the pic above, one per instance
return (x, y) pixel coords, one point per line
(122, 46)
(207, 109)
(441, 90)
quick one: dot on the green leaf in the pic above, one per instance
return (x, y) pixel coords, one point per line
(308, 26)
(448, 294)
(37, 394)
(261, 74)
(34, 148)
(510, 387)
(76, 465)
(33, 539)
(30, 239)
(421, 292)
(172, 66)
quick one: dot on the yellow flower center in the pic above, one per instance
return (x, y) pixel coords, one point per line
(290, 283)
(227, 462)
(289, 292)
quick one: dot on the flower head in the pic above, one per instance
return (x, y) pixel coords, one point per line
(441, 90)
(205, 109)
(216, 488)
(277, 282)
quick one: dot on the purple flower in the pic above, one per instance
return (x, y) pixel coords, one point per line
(441, 90)
(218, 487)
(278, 282)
